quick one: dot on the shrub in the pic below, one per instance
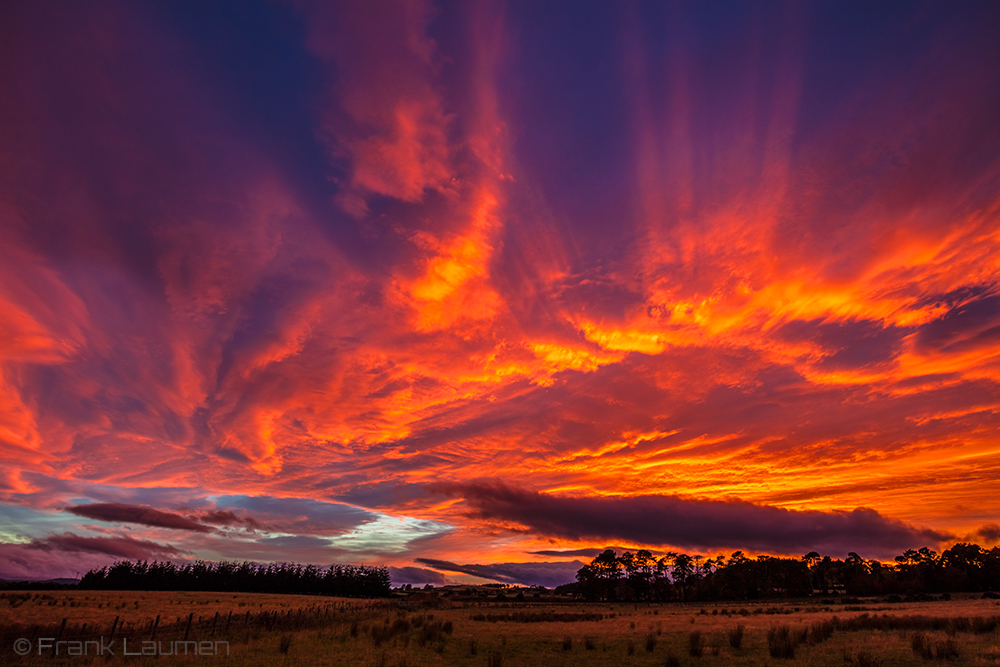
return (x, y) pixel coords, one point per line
(958, 624)
(695, 645)
(862, 659)
(672, 661)
(589, 644)
(781, 642)
(866, 659)
(539, 617)
(430, 633)
(921, 646)
(736, 636)
(819, 632)
(495, 659)
(381, 633)
(946, 649)
(982, 626)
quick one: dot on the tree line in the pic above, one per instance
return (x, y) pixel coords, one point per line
(678, 576)
(246, 577)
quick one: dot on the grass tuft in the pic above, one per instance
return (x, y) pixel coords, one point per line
(921, 645)
(696, 646)
(946, 649)
(736, 636)
(781, 642)
(819, 632)
(862, 658)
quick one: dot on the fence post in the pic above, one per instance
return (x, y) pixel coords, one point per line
(55, 647)
(114, 627)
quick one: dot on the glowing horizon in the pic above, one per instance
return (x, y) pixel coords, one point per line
(493, 283)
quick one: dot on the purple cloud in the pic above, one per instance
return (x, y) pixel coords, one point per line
(533, 574)
(990, 532)
(415, 576)
(145, 516)
(695, 524)
(120, 547)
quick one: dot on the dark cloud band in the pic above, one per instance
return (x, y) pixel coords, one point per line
(145, 516)
(119, 547)
(534, 574)
(695, 524)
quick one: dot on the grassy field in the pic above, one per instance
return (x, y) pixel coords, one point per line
(317, 631)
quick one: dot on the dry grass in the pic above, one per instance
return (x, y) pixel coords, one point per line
(578, 635)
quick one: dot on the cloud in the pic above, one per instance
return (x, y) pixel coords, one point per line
(297, 265)
(990, 532)
(549, 575)
(415, 576)
(396, 128)
(300, 515)
(120, 547)
(695, 524)
(588, 553)
(846, 345)
(972, 324)
(71, 555)
(302, 542)
(229, 518)
(146, 516)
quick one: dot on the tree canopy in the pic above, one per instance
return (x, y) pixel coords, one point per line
(678, 576)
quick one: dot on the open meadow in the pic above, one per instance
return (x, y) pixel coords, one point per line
(113, 628)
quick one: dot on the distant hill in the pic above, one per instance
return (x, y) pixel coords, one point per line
(37, 584)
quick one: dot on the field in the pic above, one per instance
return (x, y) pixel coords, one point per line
(259, 630)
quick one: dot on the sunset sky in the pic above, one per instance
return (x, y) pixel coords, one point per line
(481, 288)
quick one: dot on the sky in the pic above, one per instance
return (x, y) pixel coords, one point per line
(474, 290)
